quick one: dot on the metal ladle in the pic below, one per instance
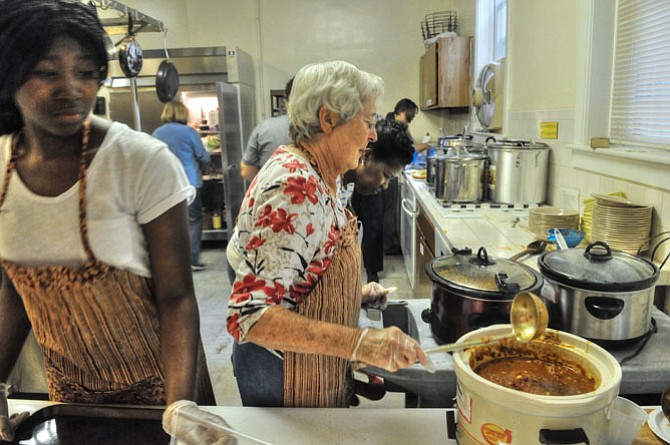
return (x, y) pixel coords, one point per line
(665, 403)
(528, 317)
(533, 248)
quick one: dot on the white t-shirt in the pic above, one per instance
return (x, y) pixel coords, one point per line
(133, 179)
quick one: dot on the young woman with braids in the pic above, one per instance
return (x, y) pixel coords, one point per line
(94, 240)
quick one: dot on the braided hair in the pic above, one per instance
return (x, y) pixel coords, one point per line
(27, 28)
(393, 146)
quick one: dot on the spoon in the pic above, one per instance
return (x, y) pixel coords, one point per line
(533, 248)
(528, 317)
(665, 403)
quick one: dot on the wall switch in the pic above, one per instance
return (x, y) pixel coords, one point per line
(549, 130)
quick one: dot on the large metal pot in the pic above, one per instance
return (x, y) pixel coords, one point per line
(490, 413)
(460, 176)
(517, 171)
(472, 291)
(599, 293)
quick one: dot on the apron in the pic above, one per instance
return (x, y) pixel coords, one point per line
(322, 381)
(96, 324)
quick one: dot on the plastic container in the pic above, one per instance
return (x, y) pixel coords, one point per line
(627, 419)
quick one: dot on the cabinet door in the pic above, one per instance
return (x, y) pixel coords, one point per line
(428, 76)
(454, 72)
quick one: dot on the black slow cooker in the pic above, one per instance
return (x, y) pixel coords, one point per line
(473, 291)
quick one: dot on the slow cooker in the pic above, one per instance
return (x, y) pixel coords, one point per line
(598, 293)
(492, 414)
(472, 291)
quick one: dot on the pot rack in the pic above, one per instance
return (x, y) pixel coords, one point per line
(119, 25)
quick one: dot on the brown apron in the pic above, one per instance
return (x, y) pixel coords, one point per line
(96, 324)
(322, 381)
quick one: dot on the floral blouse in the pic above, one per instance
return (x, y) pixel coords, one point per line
(286, 233)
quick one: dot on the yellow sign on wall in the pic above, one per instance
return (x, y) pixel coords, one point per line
(549, 130)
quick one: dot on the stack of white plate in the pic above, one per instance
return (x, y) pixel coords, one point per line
(622, 224)
(541, 219)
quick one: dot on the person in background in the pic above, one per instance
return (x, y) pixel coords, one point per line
(296, 299)
(264, 140)
(186, 144)
(93, 225)
(383, 160)
(405, 111)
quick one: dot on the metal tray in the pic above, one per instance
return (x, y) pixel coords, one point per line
(75, 424)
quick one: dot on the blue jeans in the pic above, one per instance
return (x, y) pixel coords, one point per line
(259, 374)
(195, 225)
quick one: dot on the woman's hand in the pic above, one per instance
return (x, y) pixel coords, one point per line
(207, 429)
(390, 349)
(374, 296)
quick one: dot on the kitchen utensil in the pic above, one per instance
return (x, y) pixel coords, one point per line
(533, 248)
(130, 53)
(528, 318)
(665, 403)
(460, 176)
(570, 237)
(599, 293)
(492, 413)
(167, 77)
(472, 291)
(558, 239)
(517, 172)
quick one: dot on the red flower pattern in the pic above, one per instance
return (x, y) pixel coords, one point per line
(300, 188)
(255, 243)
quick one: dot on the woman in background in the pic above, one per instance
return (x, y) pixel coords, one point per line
(296, 300)
(94, 242)
(186, 144)
(382, 162)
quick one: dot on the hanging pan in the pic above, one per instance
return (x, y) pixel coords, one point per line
(130, 53)
(167, 77)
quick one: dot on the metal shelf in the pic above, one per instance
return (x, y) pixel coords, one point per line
(119, 25)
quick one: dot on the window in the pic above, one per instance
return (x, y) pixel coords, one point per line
(491, 32)
(640, 100)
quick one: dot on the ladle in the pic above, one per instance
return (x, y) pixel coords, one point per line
(665, 403)
(528, 317)
(533, 248)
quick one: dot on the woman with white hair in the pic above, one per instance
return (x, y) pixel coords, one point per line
(296, 298)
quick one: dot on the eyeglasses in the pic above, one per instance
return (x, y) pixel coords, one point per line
(371, 123)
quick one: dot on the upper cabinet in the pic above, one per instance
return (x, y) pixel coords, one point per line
(445, 74)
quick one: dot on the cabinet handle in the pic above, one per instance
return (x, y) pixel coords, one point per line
(405, 207)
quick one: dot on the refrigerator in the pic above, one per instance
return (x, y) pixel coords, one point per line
(217, 85)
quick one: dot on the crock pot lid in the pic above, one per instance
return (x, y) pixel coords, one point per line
(574, 265)
(460, 271)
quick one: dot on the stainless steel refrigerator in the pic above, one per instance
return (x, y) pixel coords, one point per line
(217, 85)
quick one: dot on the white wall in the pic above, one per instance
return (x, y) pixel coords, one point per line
(381, 36)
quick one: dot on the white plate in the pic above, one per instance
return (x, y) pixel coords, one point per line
(659, 424)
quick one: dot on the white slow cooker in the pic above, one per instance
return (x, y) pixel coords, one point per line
(490, 414)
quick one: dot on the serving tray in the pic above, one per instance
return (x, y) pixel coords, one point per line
(80, 424)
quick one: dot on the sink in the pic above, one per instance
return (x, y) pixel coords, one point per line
(422, 389)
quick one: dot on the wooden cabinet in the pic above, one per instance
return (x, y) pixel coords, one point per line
(445, 74)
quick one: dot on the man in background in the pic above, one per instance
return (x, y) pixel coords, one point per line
(264, 140)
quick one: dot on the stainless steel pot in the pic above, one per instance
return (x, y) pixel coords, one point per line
(517, 171)
(598, 293)
(460, 176)
(471, 291)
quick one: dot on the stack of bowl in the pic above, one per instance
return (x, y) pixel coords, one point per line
(541, 219)
(621, 223)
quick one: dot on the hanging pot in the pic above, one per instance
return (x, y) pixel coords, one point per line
(599, 293)
(473, 291)
(130, 53)
(167, 77)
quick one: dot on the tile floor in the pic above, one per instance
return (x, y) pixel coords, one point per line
(212, 290)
